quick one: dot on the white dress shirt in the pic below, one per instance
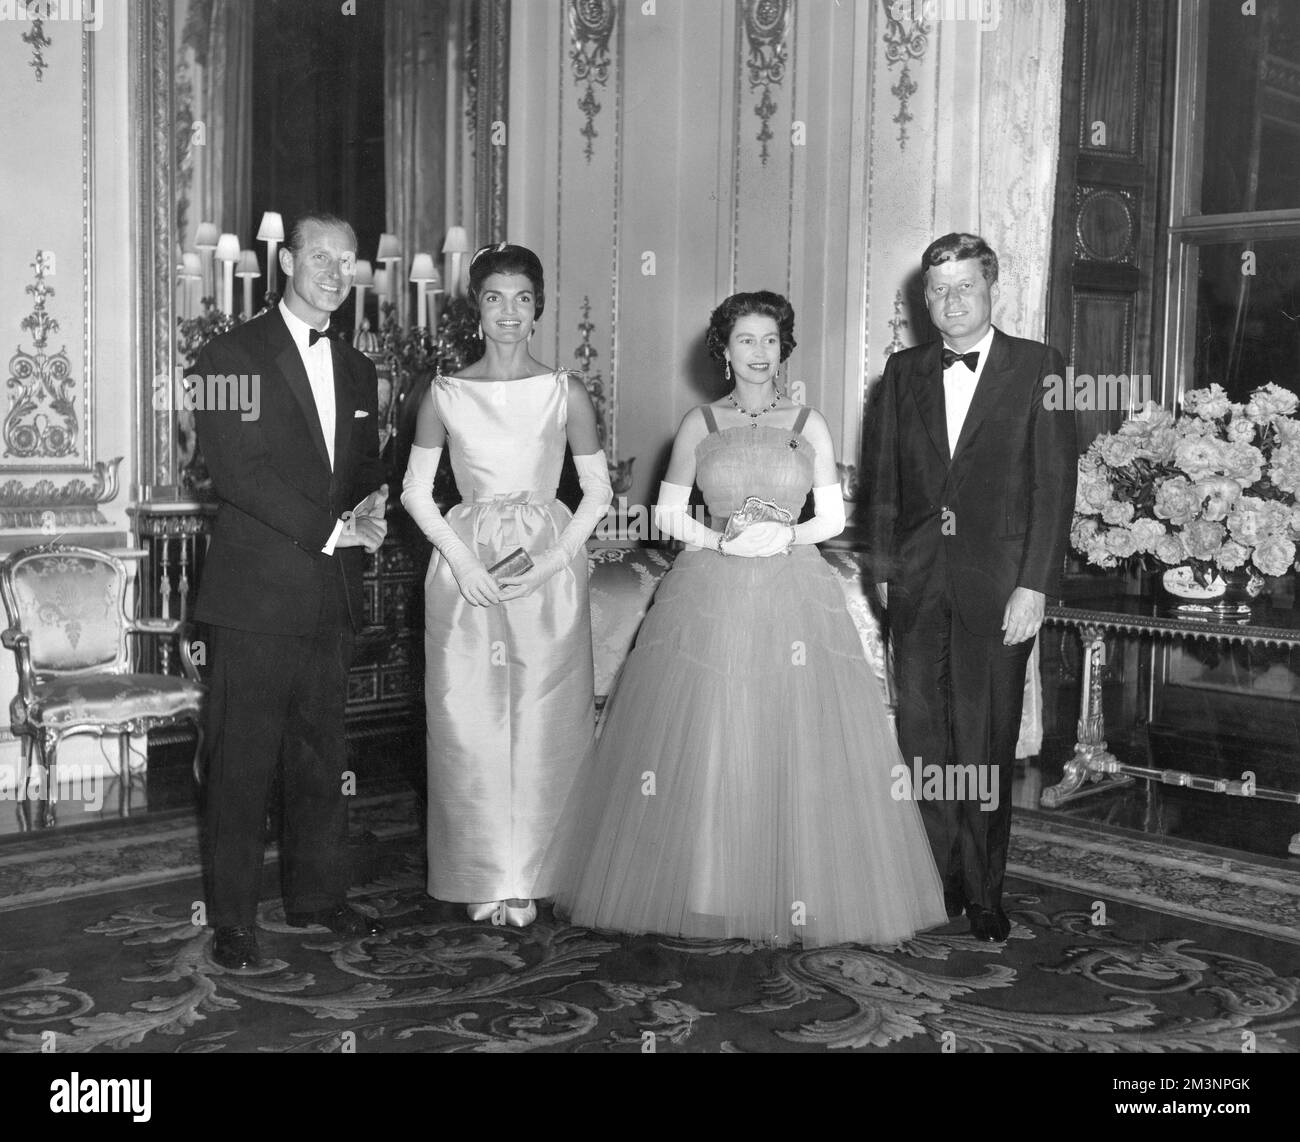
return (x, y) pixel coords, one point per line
(959, 387)
(318, 360)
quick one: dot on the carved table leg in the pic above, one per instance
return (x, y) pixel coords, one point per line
(1091, 757)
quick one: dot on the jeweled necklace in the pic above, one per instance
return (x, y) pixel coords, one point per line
(753, 416)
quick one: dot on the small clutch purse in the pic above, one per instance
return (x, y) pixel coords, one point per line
(516, 563)
(753, 511)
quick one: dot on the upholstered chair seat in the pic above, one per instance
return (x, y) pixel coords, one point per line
(69, 628)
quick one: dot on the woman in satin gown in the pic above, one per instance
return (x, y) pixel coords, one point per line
(742, 782)
(508, 684)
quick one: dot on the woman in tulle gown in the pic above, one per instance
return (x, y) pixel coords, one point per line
(508, 668)
(741, 782)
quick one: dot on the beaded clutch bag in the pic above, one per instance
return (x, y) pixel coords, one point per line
(755, 510)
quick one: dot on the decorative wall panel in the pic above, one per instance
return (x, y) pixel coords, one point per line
(51, 477)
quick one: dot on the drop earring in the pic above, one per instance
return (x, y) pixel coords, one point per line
(479, 331)
(727, 374)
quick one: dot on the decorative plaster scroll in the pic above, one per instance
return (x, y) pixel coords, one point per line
(767, 28)
(51, 508)
(906, 39)
(42, 418)
(591, 25)
(39, 42)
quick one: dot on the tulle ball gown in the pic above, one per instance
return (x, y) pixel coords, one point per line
(740, 785)
(508, 688)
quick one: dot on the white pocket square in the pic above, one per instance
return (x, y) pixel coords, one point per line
(360, 412)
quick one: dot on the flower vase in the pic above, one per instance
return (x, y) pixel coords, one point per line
(1229, 594)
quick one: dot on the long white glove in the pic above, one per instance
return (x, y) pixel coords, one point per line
(476, 585)
(764, 539)
(597, 493)
(672, 518)
(828, 516)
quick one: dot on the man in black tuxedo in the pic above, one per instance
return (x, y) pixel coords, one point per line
(281, 590)
(969, 491)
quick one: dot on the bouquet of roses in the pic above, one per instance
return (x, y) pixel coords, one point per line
(1213, 489)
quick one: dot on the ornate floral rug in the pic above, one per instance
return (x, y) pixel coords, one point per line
(125, 969)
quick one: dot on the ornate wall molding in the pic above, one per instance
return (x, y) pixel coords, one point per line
(1105, 224)
(492, 105)
(49, 423)
(42, 417)
(39, 41)
(897, 324)
(591, 26)
(767, 30)
(154, 115)
(906, 39)
(53, 508)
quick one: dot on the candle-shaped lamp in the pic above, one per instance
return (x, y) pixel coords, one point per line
(422, 274)
(205, 241)
(362, 280)
(272, 233)
(390, 252)
(228, 255)
(455, 247)
(248, 269)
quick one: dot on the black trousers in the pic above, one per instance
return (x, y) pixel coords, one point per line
(277, 700)
(959, 702)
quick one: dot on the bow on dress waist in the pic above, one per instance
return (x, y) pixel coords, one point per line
(499, 520)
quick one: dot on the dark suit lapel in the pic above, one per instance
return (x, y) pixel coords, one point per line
(289, 362)
(927, 390)
(995, 378)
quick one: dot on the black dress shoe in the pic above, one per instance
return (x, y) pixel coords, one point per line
(954, 902)
(342, 919)
(988, 923)
(235, 948)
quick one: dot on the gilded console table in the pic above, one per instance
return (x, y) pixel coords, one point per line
(1098, 618)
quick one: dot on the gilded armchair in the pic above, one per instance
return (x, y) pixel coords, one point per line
(70, 629)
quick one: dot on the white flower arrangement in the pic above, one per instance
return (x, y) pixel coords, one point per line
(1213, 489)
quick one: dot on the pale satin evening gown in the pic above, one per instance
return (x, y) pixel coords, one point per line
(742, 784)
(508, 688)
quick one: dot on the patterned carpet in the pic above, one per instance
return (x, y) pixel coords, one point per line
(1196, 953)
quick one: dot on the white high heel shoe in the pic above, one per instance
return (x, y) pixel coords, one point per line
(520, 917)
(482, 911)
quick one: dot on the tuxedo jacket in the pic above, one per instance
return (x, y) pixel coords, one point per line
(278, 500)
(980, 521)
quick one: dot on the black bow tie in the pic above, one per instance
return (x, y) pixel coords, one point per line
(314, 335)
(969, 359)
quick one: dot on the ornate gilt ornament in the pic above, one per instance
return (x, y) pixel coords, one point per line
(767, 26)
(591, 25)
(39, 42)
(594, 382)
(906, 39)
(897, 324)
(620, 471)
(42, 418)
